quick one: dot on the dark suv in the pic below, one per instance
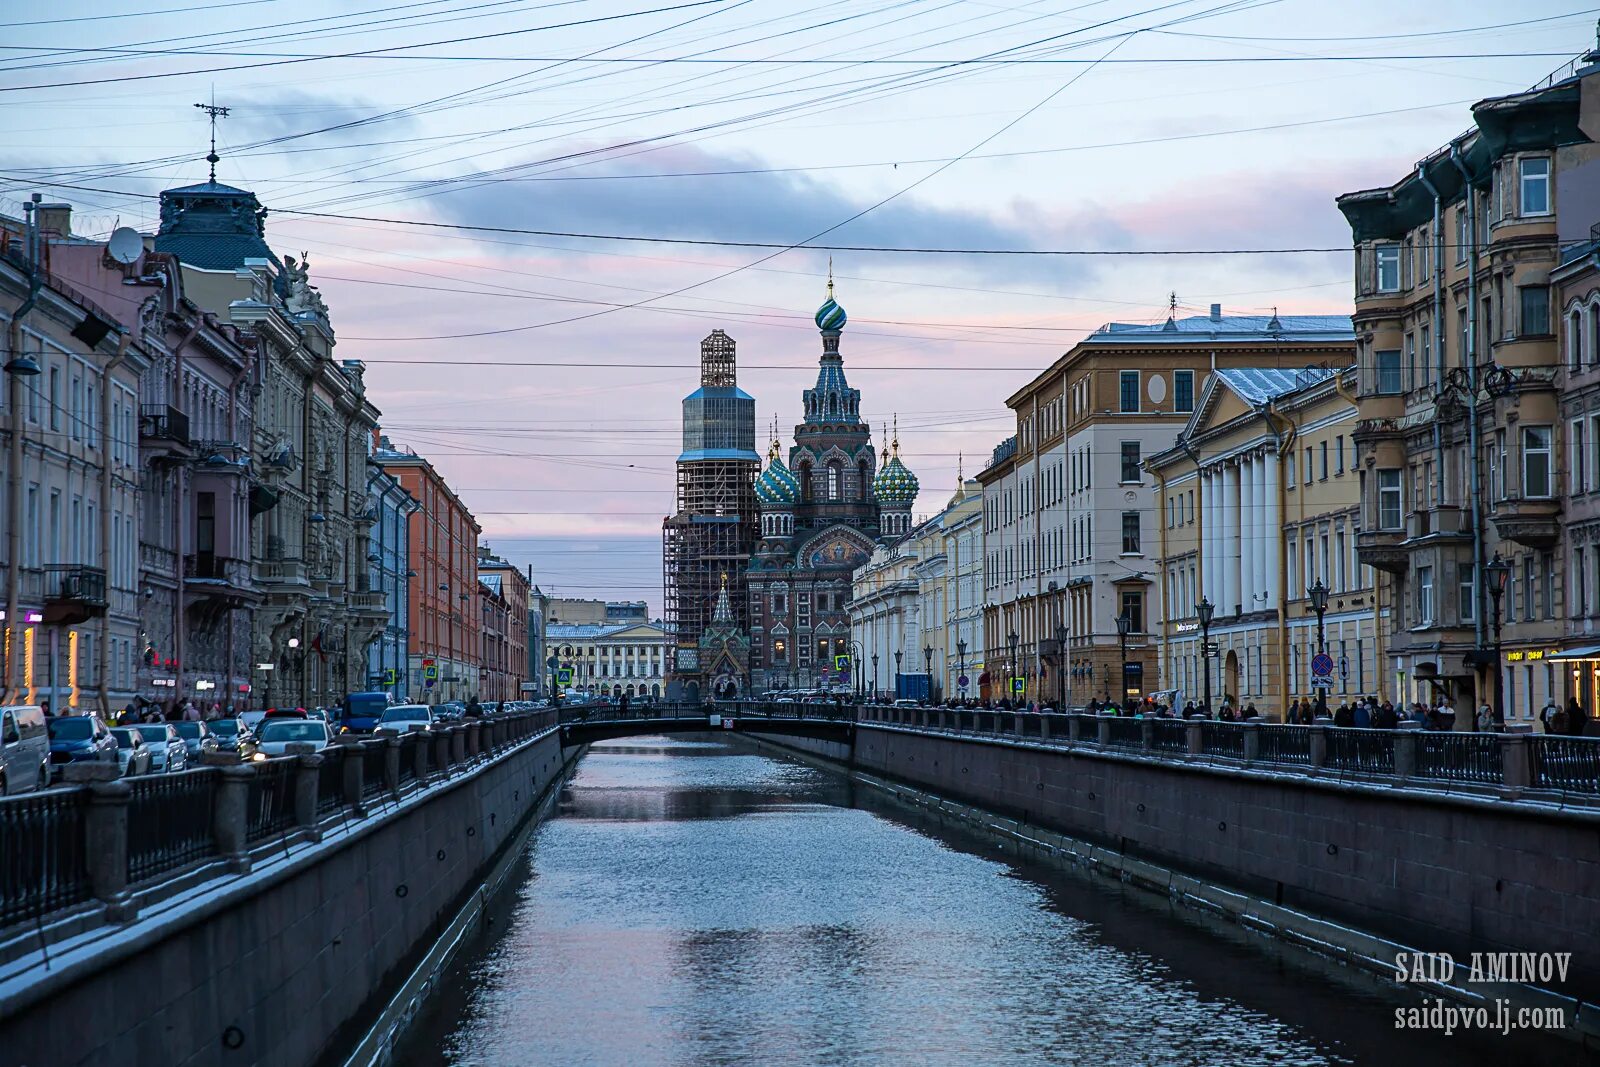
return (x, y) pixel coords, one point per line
(78, 739)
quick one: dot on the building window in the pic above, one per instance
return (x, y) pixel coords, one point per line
(1133, 608)
(1469, 595)
(1536, 461)
(1527, 588)
(1338, 454)
(1424, 596)
(1128, 390)
(1389, 505)
(1387, 259)
(1389, 365)
(1324, 460)
(1183, 390)
(1130, 462)
(1130, 533)
(1535, 310)
(1535, 185)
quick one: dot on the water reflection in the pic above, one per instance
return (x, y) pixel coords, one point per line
(696, 904)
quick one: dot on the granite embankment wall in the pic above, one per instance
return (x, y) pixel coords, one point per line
(1443, 872)
(284, 964)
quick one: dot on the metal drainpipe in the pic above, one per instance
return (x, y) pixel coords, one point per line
(1472, 406)
(13, 631)
(106, 562)
(1438, 320)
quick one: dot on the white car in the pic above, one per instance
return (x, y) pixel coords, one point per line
(276, 735)
(401, 717)
(133, 755)
(167, 750)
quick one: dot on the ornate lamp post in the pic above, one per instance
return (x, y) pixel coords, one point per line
(1207, 611)
(927, 671)
(855, 646)
(1499, 570)
(961, 663)
(1319, 604)
(874, 676)
(1011, 679)
(898, 657)
(1061, 667)
(1124, 624)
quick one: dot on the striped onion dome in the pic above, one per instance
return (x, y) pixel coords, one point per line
(895, 485)
(777, 484)
(830, 316)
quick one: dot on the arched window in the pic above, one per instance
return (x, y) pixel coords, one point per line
(1575, 340)
(864, 481)
(834, 476)
(804, 471)
(1594, 335)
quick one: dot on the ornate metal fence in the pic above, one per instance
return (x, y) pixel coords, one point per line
(170, 822)
(42, 864)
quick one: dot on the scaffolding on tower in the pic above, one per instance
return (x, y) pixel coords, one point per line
(714, 527)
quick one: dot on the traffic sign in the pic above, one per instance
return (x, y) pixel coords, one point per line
(1322, 682)
(1344, 666)
(1322, 665)
(1019, 685)
(564, 676)
(841, 663)
(430, 673)
(963, 681)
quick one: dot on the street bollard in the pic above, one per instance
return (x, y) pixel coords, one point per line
(106, 847)
(307, 771)
(230, 816)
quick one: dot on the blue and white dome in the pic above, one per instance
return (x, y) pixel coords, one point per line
(777, 485)
(895, 486)
(830, 316)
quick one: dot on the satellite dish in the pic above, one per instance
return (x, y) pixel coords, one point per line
(125, 246)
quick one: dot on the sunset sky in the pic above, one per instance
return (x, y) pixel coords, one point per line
(515, 362)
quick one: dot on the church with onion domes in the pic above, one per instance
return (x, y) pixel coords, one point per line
(822, 512)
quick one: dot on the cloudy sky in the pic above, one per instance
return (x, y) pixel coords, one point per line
(542, 373)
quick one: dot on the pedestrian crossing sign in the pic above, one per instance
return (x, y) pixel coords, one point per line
(841, 663)
(1019, 685)
(564, 676)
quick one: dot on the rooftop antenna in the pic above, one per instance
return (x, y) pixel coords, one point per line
(895, 447)
(830, 277)
(215, 112)
(1172, 304)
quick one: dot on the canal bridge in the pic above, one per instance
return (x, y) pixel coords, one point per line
(269, 912)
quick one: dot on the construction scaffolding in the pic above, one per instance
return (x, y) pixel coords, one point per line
(714, 529)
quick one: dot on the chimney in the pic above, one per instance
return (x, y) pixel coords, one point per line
(55, 219)
(1216, 312)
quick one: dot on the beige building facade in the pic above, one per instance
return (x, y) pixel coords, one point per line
(1282, 441)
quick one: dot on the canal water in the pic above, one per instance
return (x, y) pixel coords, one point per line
(694, 903)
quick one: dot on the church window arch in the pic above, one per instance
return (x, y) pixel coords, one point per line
(834, 477)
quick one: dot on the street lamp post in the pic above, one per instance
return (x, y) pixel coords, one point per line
(1499, 570)
(1061, 668)
(961, 664)
(1011, 681)
(927, 671)
(1206, 610)
(899, 656)
(874, 676)
(855, 646)
(1124, 624)
(1319, 604)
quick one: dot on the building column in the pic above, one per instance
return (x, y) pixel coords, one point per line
(1274, 522)
(1206, 520)
(1265, 538)
(1247, 533)
(1229, 562)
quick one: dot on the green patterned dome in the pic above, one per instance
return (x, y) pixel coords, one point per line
(830, 316)
(895, 485)
(777, 484)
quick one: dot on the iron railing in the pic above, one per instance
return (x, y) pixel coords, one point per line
(42, 861)
(1460, 757)
(1124, 732)
(1222, 739)
(269, 804)
(1169, 735)
(1360, 751)
(1284, 744)
(1567, 763)
(170, 822)
(330, 780)
(374, 768)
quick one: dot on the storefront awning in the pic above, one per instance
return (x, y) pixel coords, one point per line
(1586, 652)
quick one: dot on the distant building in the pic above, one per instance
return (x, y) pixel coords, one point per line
(707, 541)
(618, 659)
(1070, 514)
(445, 635)
(822, 515)
(539, 669)
(390, 573)
(573, 611)
(505, 666)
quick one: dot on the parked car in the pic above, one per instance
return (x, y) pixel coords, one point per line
(232, 735)
(401, 717)
(359, 712)
(252, 719)
(24, 749)
(278, 734)
(196, 739)
(133, 755)
(167, 750)
(79, 739)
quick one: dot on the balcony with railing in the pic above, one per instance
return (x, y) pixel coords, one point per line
(164, 429)
(73, 594)
(282, 572)
(207, 576)
(1383, 549)
(1531, 521)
